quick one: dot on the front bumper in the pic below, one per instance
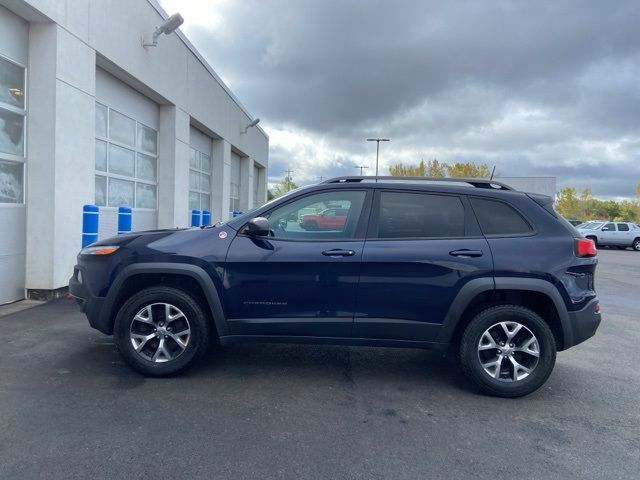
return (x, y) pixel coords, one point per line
(583, 323)
(89, 304)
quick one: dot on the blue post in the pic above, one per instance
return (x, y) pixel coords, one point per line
(89, 224)
(206, 218)
(124, 219)
(236, 213)
(195, 218)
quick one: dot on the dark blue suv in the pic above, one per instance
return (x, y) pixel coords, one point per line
(412, 262)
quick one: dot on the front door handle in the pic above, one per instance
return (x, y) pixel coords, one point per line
(466, 253)
(337, 252)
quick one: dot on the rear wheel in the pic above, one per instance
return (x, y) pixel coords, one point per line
(161, 331)
(636, 245)
(508, 351)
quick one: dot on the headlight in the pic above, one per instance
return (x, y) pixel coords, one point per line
(106, 250)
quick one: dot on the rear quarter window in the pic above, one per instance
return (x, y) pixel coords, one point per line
(499, 218)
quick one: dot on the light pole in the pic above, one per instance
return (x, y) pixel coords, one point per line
(361, 167)
(377, 140)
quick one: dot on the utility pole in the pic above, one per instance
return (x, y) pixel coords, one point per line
(361, 167)
(288, 180)
(377, 140)
(321, 178)
(289, 172)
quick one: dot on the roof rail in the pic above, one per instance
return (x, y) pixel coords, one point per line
(474, 182)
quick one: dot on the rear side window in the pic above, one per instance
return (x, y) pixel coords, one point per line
(498, 218)
(623, 227)
(419, 215)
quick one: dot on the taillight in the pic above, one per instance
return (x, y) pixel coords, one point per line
(585, 247)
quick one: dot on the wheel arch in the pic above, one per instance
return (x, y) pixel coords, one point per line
(538, 295)
(141, 275)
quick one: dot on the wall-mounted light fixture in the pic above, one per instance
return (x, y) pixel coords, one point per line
(252, 124)
(167, 27)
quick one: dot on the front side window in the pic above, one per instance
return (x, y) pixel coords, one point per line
(609, 227)
(126, 161)
(12, 131)
(498, 218)
(419, 215)
(307, 218)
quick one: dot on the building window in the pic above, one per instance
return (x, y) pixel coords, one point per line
(234, 191)
(199, 180)
(12, 131)
(126, 161)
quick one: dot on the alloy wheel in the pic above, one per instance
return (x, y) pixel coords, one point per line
(508, 351)
(160, 332)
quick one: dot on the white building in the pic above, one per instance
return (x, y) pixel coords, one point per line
(90, 116)
(542, 185)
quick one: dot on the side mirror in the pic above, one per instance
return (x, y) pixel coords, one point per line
(258, 227)
(605, 229)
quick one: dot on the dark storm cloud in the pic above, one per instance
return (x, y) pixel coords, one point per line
(542, 87)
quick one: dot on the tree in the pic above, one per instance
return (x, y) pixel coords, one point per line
(584, 207)
(568, 203)
(283, 187)
(469, 170)
(434, 168)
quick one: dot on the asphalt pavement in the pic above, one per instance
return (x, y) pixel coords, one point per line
(69, 407)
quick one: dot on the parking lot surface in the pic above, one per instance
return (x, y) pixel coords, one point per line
(69, 408)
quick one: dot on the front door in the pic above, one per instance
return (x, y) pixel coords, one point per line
(296, 281)
(608, 234)
(421, 249)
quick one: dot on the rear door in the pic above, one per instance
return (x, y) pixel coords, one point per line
(298, 282)
(421, 249)
(624, 235)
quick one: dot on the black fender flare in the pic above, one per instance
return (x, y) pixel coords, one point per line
(480, 285)
(168, 268)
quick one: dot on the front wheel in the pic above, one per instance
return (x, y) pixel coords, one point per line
(508, 351)
(161, 331)
(311, 226)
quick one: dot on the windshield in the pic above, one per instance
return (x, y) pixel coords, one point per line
(590, 225)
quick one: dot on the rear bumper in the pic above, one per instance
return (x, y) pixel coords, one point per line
(583, 323)
(88, 303)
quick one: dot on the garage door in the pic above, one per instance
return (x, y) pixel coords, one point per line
(126, 154)
(199, 171)
(13, 109)
(234, 191)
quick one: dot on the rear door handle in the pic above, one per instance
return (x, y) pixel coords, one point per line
(466, 253)
(337, 252)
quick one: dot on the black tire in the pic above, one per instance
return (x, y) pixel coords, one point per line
(595, 240)
(196, 344)
(470, 355)
(311, 226)
(636, 245)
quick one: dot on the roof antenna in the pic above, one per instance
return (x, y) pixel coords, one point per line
(492, 172)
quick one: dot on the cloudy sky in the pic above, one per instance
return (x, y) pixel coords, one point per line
(535, 88)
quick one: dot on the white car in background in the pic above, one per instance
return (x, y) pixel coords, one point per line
(612, 234)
